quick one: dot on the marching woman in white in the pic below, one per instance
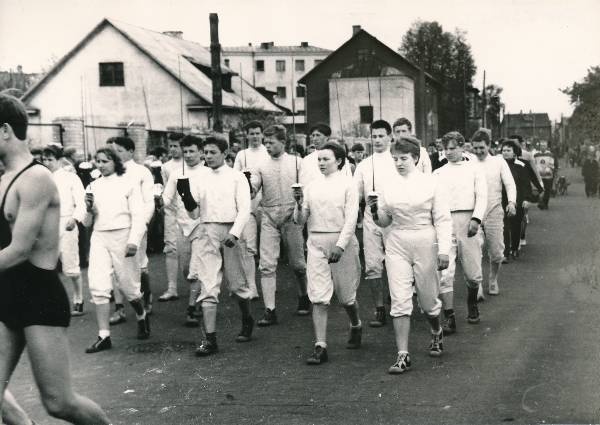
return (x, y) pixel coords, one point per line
(331, 208)
(114, 205)
(417, 245)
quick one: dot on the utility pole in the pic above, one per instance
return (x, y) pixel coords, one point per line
(215, 59)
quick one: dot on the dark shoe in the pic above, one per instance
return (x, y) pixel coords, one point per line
(191, 321)
(449, 325)
(355, 339)
(144, 328)
(101, 344)
(118, 317)
(473, 314)
(246, 333)
(303, 306)
(379, 319)
(207, 348)
(269, 318)
(436, 347)
(77, 309)
(318, 356)
(402, 364)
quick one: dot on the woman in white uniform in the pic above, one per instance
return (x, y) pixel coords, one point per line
(115, 207)
(417, 245)
(330, 206)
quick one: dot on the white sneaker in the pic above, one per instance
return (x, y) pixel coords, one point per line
(168, 296)
(493, 289)
(480, 296)
(523, 242)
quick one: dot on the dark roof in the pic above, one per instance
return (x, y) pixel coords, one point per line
(527, 120)
(177, 57)
(275, 49)
(363, 33)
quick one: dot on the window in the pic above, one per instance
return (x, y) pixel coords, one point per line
(227, 62)
(318, 61)
(300, 65)
(260, 65)
(280, 66)
(111, 74)
(366, 114)
(281, 92)
(300, 91)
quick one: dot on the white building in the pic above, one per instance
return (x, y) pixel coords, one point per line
(276, 69)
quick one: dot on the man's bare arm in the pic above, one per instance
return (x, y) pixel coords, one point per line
(37, 192)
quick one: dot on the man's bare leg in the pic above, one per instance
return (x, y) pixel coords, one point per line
(12, 413)
(11, 347)
(48, 351)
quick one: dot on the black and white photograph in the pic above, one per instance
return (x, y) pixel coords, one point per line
(317, 212)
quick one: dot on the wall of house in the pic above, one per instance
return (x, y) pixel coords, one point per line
(270, 78)
(391, 97)
(150, 95)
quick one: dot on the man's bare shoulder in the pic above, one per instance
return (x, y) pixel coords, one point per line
(36, 181)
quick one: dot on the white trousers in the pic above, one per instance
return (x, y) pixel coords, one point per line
(467, 250)
(69, 248)
(411, 255)
(324, 278)
(207, 264)
(493, 234)
(373, 247)
(107, 256)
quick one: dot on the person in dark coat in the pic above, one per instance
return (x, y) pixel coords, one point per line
(590, 171)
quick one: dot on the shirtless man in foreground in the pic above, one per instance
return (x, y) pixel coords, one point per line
(34, 308)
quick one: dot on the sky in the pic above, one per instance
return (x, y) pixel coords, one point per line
(531, 48)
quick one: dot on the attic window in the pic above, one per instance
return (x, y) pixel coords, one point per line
(226, 82)
(111, 74)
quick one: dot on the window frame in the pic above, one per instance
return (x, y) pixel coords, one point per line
(115, 69)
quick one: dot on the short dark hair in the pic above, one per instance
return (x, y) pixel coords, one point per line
(278, 131)
(190, 140)
(175, 136)
(516, 137)
(381, 124)
(13, 113)
(403, 121)
(338, 152)
(52, 150)
(218, 141)
(482, 135)
(254, 124)
(322, 128)
(158, 151)
(408, 144)
(514, 145)
(112, 155)
(123, 141)
(358, 147)
(453, 136)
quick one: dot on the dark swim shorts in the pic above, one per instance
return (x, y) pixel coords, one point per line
(32, 296)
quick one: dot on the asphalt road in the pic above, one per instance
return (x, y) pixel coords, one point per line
(532, 359)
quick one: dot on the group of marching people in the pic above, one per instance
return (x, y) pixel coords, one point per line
(416, 224)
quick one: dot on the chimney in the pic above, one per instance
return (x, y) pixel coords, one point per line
(267, 44)
(174, 34)
(304, 44)
(355, 29)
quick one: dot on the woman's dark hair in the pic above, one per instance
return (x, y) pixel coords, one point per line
(408, 144)
(338, 153)
(514, 145)
(112, 155)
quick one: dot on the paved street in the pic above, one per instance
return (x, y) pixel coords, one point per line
(532, 359)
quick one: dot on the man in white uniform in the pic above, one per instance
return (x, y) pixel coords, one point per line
(275, 177)
(184, 224)
(247, 161)
(370, 175)
(72, 210)
(497, 175)
(220, 198)
(466, 189)
(125, 148)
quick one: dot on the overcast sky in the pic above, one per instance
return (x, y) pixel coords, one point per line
(531, 48)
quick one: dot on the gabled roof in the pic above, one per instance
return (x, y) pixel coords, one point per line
(527, 120)
(176, 56)
(360, 34)
(275, 49)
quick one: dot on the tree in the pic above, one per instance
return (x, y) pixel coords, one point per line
(447, 57)
(585, 120)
